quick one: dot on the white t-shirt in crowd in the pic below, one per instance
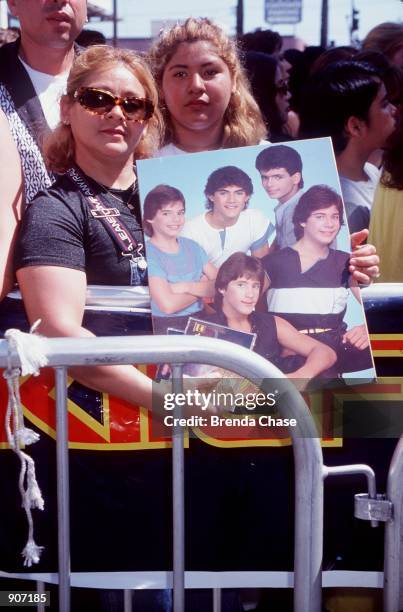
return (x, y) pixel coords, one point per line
(251, 231)
(361, 193)
(49, 89)
(171, 149)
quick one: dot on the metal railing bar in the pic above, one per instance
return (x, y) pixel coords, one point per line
(206, 580)
(63, 504)
(127, 600)
(40, 588)
(307, 451)
(393, 569)
(178, 499)
(216, 600)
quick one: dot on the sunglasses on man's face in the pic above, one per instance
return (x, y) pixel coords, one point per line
(100, 102)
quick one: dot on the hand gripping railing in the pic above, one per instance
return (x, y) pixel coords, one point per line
(309, 469)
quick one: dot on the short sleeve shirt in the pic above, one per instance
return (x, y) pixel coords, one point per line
(184, 266)
(58, 230)
(314, 298)
(251, 231)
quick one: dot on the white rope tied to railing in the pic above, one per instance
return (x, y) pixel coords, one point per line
(31, 351)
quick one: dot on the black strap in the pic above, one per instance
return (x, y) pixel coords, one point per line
(20, 87)
(18, 84)
(125, 240)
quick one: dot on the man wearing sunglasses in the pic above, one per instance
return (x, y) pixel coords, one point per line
(33, 75)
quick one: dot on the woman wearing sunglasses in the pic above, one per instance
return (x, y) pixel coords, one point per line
(86, 227)
(207, 104)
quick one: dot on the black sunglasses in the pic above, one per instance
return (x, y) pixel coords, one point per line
(100, 102)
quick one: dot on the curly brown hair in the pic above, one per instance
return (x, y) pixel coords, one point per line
(242, 123)
(59, 147)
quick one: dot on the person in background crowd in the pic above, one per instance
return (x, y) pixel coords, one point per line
(34, 68)
(270, 90)
(8, 35)
(90, 37)
(262, 41)
(109, 119)
(335, 54)
(388, 39)
(391, 74)
(301, 62)
(348, 101)
(33, 75)
(386, 225)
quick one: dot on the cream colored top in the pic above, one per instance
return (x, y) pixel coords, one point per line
(386, 232)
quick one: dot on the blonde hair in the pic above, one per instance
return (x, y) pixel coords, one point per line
(59, 147)
(242, 122)
(386, 37)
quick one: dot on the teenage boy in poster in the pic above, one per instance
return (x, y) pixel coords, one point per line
(309, 282)
(238, 287)
(228, 225)
(179, 272)
(280, 168)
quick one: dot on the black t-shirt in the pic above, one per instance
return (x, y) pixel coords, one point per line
(59, 230)
(264, 326)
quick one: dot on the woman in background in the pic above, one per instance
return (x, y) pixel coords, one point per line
(387, 38)
(386, 225)
(270, 90)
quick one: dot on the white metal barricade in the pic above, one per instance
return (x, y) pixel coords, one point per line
(393, 569)
(308, 460)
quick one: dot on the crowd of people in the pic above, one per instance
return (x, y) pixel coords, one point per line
(73, 122)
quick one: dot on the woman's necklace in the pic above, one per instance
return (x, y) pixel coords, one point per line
(131, 192)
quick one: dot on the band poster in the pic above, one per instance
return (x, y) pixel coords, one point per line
(255, 239)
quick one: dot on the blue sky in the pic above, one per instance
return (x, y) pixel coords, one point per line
(136, 16)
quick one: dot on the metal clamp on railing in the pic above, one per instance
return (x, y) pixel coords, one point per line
(365, 470)
(367, 508)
